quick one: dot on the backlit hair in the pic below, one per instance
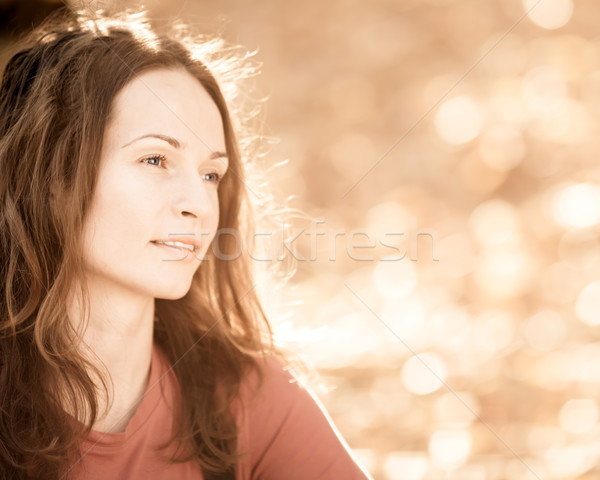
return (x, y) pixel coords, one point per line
(56, 96)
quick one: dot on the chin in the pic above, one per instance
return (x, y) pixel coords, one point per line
(174, 293)
(172, 296)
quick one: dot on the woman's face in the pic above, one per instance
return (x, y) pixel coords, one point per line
(162, 156)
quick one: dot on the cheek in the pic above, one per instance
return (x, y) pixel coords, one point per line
(214, 222)
(119, 209)
(124, 211)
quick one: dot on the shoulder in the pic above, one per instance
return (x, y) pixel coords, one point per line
(286, 432)
(276, 396)
(274, 377)
(268, 392)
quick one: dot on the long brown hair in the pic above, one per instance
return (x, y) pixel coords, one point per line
(55, 101)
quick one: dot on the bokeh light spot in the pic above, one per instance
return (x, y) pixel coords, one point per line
(495, 223)
(587, 306)
(549, 14)
(578, 415)
(405, 466)
(424, 373)
(456, 409)
(543, 89)
(577, 205)
(458, 120)
(450, 448)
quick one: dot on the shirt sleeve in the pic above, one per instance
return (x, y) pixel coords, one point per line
(286, 433)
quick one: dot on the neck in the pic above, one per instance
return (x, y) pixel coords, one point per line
(118, 340)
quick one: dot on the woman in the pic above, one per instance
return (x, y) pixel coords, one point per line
(132, 342)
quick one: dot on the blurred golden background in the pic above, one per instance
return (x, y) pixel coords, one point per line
(448, 287)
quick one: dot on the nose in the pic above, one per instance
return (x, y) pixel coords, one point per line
(193, 197)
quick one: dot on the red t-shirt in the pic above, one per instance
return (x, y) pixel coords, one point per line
(284, 430)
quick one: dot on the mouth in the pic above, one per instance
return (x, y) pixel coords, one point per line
(174, 244)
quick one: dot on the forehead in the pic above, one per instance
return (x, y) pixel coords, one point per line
(167, 101)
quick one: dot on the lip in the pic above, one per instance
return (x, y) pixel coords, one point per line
(187, 240)
(176, 254)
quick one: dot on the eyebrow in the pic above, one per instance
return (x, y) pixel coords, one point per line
(173, 142)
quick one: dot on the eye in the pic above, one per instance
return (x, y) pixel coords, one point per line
(213, 177)
(154, 160)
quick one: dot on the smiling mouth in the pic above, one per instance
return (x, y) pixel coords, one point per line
(178, 245)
